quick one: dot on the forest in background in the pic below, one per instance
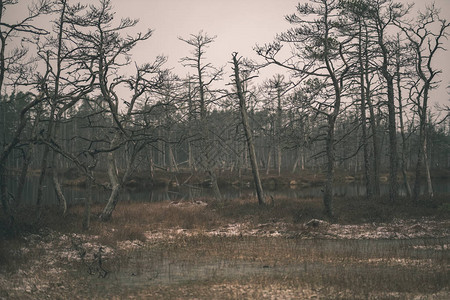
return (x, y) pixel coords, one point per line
(352, 94)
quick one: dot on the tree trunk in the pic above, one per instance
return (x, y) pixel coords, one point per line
(402, 129)
(376, 150)
(422, 161)
(59, 194)
(23, 174)
(43, 169)
(5, 200)
(393, 156)
(373, 124)
(367, 171)
(116, 187)
(190, 157)
(248, 132)
(269, 161)
(279, 159)
(215, 185)
(403, 160)
(297, 159)
(56, 185)
(87, 204)
(427, 171)
(173, 161)
(278, 128)
(422, 154)
(330, 152)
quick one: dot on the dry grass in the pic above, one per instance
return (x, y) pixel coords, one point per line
(233, 249)
(130, 220)
(205, 267)
(360, 210)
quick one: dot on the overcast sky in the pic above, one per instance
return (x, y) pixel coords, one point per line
(238, 25)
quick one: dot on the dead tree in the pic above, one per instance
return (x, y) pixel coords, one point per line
(107, 49)
(13, 67)
(206, 74)
(425, 38)
(248, 132)
(382, 16)
(319, 52)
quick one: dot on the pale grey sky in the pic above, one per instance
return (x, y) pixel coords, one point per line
(238, 24)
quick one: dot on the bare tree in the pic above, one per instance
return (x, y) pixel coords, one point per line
(383, 14)
(358, 12)
(318, 52)
(65, 84)
(105, 51)
(277, 87)
(426, 37)
(206, 75)
(400, 61)
(248, 132)
(11, 62)
(12, 31)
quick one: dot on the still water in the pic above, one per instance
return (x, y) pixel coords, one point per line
(75, 195)
(392, 259)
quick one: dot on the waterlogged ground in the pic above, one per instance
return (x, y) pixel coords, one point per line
(399, 259)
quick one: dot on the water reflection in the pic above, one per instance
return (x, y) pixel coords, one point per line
(75, 195)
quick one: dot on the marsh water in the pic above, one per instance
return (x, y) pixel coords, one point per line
(362, 267)
(75, 195)
(377, 263)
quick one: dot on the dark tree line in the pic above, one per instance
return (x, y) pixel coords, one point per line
(355, 96)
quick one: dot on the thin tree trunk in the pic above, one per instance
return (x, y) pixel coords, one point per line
(376, 150)
(248, 132)
(116, 187)
(278, 128)
(152, 169)
(23, 174)
(190, 118)
(215, 185)
(269, 161)
(87, 204)
(302, 157)
(403, 160)
(59, 194)
(367, 171)
(402, 130)
(294, 167)
(427, 170)
(279, 159)
(373, 124)
(393, 155)
(190, 157)
(43, 173)
(5, 200)
(422, 151)
(173, 162)
(330, 152)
